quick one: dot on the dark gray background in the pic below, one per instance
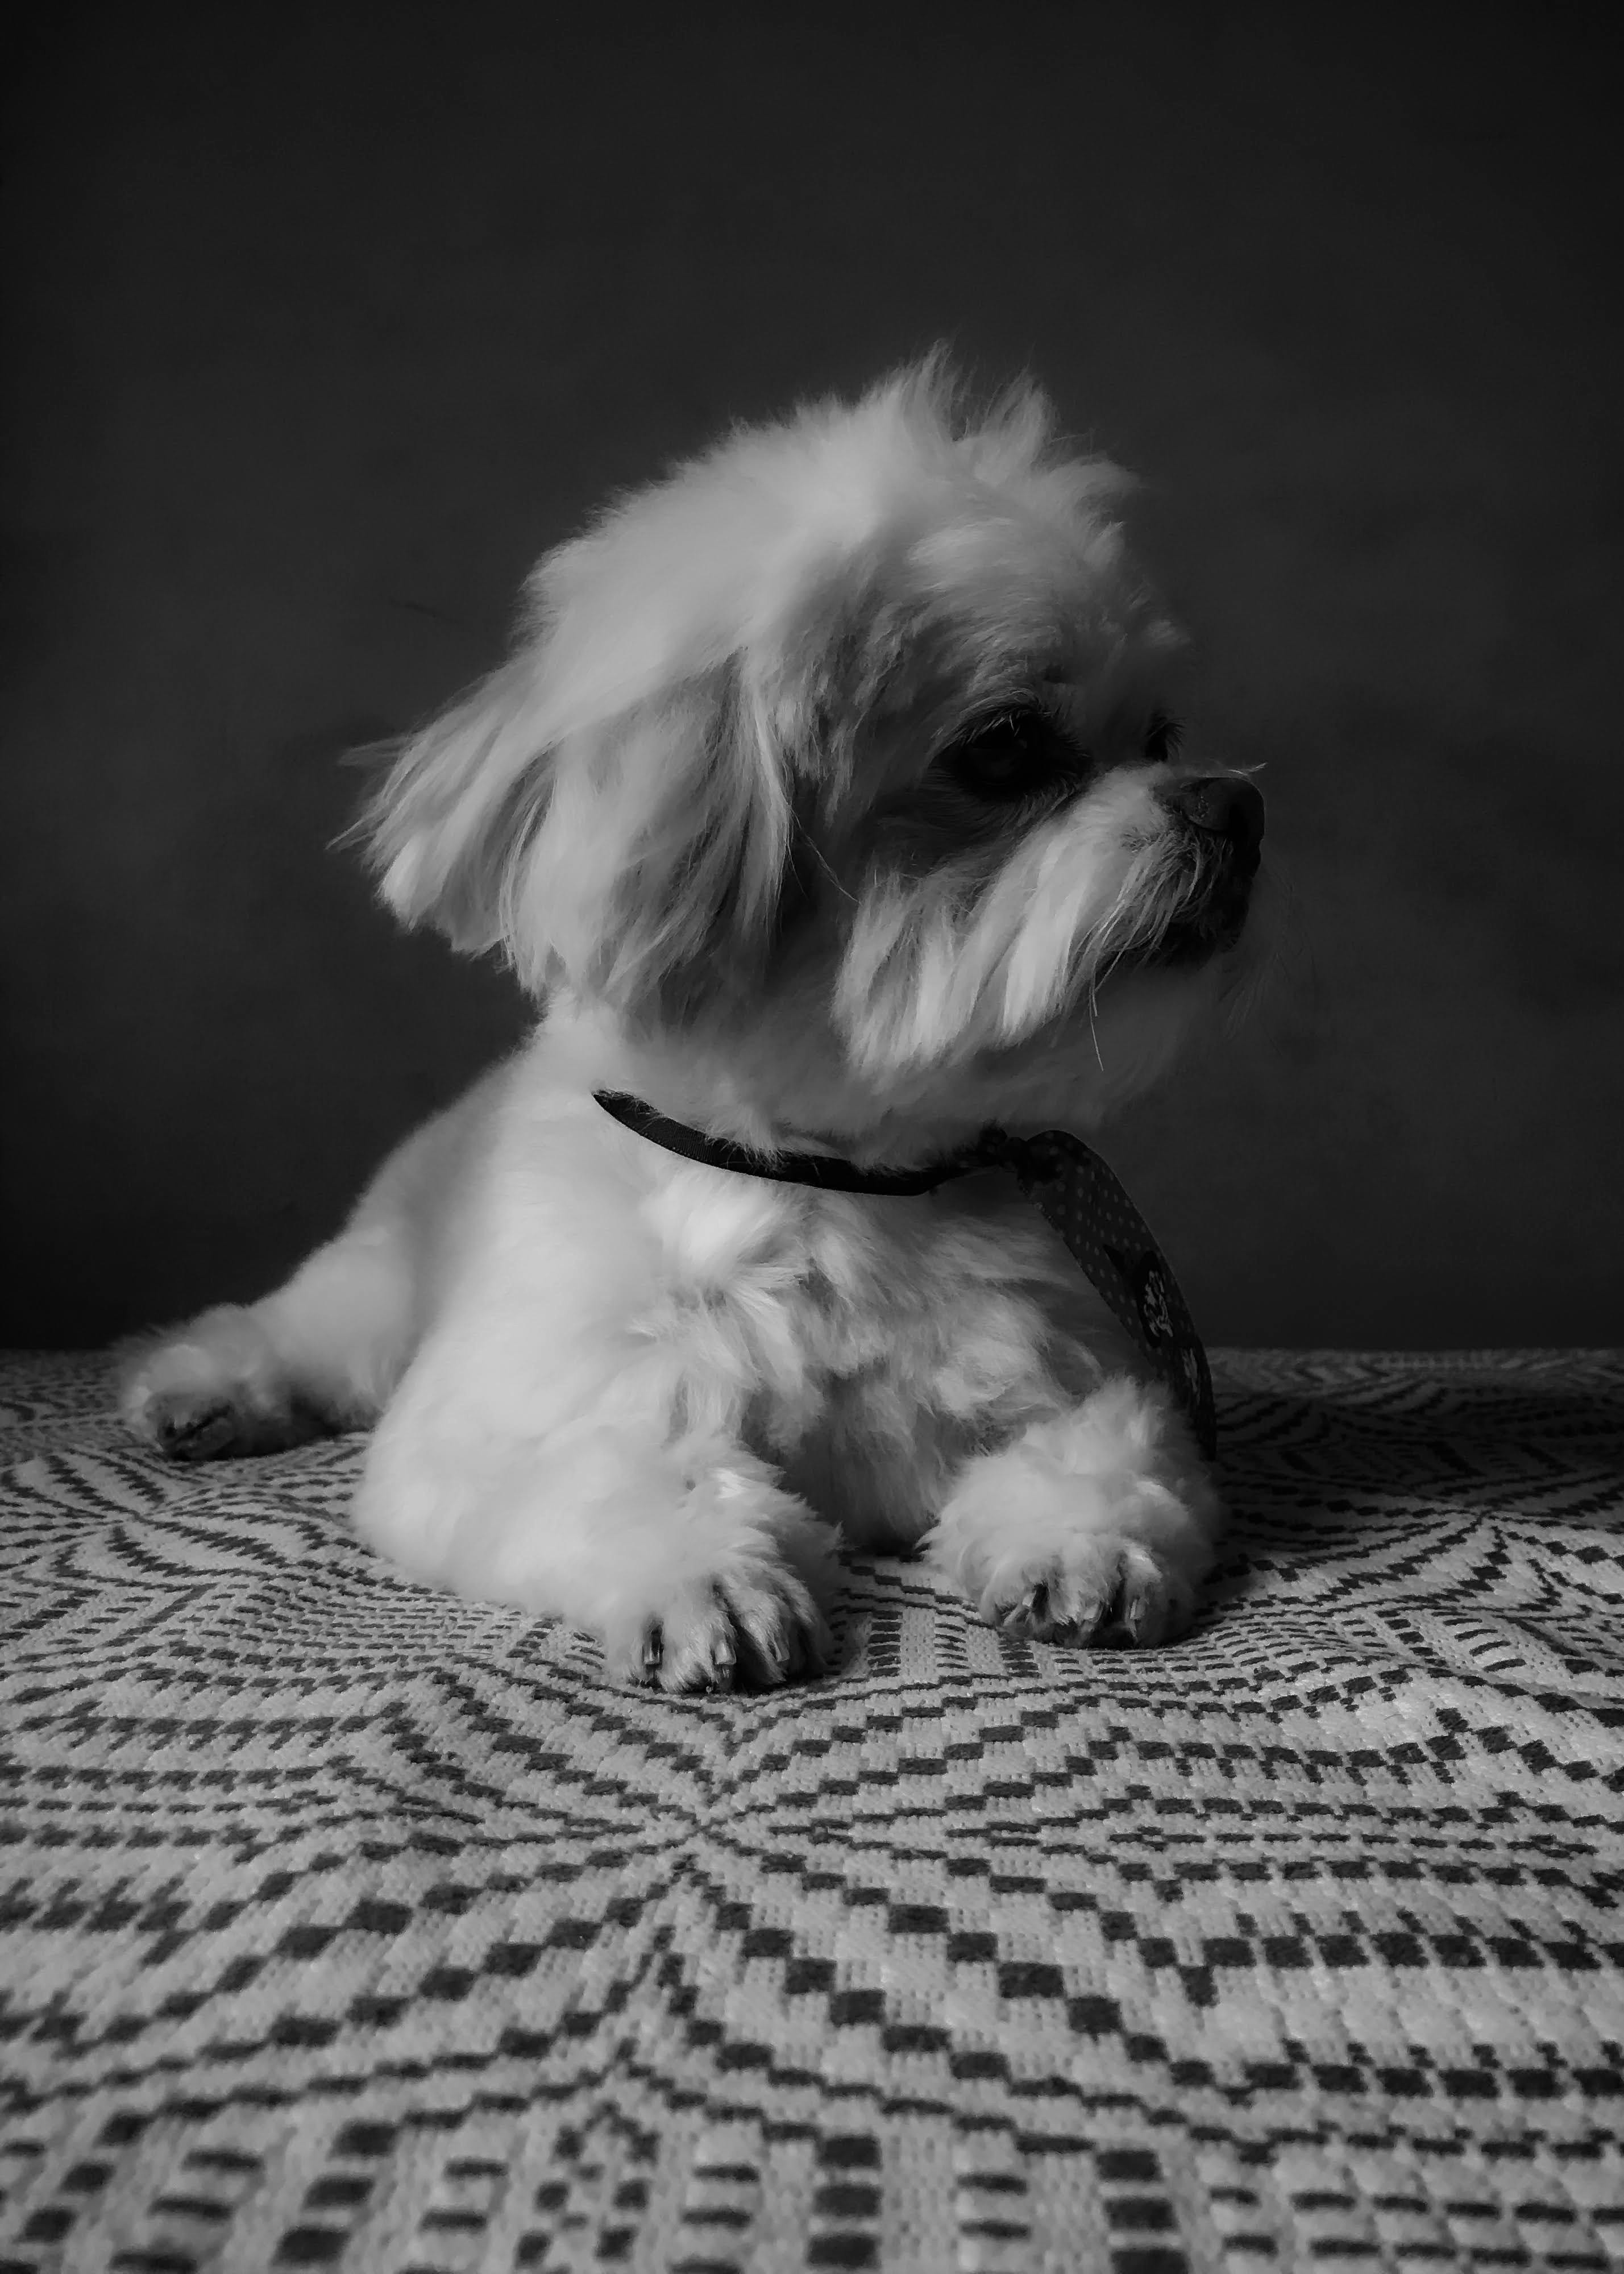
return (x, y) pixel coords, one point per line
(324, 321)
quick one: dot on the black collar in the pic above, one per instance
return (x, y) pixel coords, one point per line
(825, 1171)
(1063, 1178)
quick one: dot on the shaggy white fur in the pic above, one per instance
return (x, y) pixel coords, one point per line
(828, 802)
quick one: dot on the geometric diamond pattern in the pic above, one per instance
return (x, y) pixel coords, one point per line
(347, 1924)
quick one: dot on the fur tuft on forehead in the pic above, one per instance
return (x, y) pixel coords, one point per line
(747, 550)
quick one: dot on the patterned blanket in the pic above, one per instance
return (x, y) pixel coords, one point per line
(348, 1926)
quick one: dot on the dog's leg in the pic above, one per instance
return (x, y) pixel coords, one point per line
(323, 1351)
(318, 1355)
(1097, 1526)
(687, 1558)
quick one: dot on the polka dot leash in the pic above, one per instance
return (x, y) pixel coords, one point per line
(1113, 1247)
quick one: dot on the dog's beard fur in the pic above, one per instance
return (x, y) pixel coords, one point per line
(829, 798)
(719, 791)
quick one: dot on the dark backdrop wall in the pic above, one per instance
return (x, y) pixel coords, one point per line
(324, 321)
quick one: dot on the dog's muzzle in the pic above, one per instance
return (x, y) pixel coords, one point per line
(1222, 806)
(1224, 816)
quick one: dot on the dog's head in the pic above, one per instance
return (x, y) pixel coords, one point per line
(845, 750)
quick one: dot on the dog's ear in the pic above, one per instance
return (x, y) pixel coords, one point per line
(657, 868)
(457, 802)
(631, 847)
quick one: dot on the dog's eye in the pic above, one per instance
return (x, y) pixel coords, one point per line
(1163, 737)
(1017, 755)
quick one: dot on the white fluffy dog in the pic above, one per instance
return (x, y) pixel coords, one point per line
(829, 803)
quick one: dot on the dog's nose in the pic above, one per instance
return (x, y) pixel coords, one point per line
(1227, 805)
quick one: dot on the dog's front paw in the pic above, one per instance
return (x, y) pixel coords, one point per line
(751, 1631)
(1108, 1592)
(697, 1571)
(1096, 1526)
(216, 1388)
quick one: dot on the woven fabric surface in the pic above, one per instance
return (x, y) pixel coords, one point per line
(346, 1924)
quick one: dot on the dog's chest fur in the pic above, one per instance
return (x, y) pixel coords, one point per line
(867, 1347)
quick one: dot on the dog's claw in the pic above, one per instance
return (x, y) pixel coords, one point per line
(188, 1422)
(1148, 1616)
(727, 1638)
(1130, 1603)
(196, 1436)
(1030, 1614)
